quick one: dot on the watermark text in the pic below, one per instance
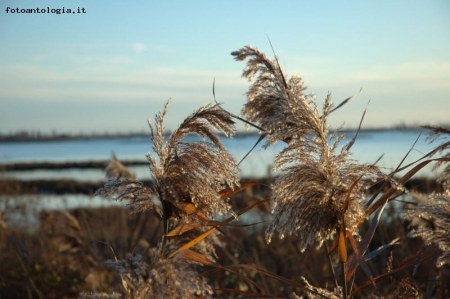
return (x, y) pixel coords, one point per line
(45, 10)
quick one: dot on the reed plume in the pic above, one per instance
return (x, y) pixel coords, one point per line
(437, 133)
(319, 293)
(194, 171)
(161, 277)
(320, 190)
(434, 229)
(115, 169)
(188, 175)
(435, 210)
(184, 172)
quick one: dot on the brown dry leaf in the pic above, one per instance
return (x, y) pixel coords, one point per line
(342, 249)
(185, 227)
(230, 191)
(194, 256)
(211, 230)
(190, 209)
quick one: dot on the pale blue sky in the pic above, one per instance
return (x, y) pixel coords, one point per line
(113, 67)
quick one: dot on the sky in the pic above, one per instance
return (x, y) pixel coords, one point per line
(114, 66)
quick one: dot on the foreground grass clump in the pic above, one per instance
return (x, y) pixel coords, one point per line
(188, 177)
(190, 237)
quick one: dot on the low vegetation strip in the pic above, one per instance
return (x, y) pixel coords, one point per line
(23, 166)
(67, 186)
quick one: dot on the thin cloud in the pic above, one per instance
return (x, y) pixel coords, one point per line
(37, 83)
(110, 60)
(139, 48)
(421, 70)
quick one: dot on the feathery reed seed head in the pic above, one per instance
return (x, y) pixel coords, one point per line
(437, 208)
(161, 277)
(183, 171)
(115, 169)
(437, 211)
(310, 196)
(440, 134)
(194, 171)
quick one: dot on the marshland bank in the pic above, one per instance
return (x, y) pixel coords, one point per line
(67, 186)
(27, 136)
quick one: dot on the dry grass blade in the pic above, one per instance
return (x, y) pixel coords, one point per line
(361, 261)
(345, 101)
(263, 135)
(392, 192)
(355, 260)
(211, 230)
(185, 227)
(254, 146)
(408, 263)
(342, 247)
(429, 154)
(374, 253)
(350, 144)
(242, 186)
(407, 154)
(233, 115)
(343, 235)
(277, 277)
(348, 196)
(190, 209)
(278, 65)
(438, 133)
(195, 257)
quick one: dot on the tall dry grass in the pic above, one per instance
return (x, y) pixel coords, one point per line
(318, 232)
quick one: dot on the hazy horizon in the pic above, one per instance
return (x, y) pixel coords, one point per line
(114, 66)
(36, 134)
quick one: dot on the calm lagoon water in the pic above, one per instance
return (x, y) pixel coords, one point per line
(368, 148)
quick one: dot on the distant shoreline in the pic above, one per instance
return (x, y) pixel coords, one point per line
(92, 164)
(36, 137)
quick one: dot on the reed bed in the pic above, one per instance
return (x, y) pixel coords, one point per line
(326, 227)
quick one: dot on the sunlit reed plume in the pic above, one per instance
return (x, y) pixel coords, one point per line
(309, 197)
(437, 134)
(194, 171)
(161, 277)
(435, 229)
(435, 210)
(185, 171)
(190, 169)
